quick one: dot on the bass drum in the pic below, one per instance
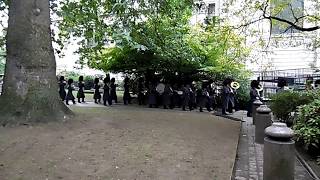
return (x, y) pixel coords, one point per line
(160, 88)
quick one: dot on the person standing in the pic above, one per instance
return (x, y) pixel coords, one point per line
(126, 93)
(62, 91)
(97, 95)
(113, 91)
(80, 94)
(106, 92)
(70, 94)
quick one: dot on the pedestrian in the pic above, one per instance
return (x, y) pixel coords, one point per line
(80, 94)
(126, 93)
(97, 95)
(106, 92)
(62, 91)
(70, 94)
(113, 91)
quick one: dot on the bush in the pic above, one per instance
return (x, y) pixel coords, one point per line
(287, 101)
(88, 82)
(307, 127)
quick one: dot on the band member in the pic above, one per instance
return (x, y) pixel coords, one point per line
(80, 94)
(152, 95)
(96, 95)
(140, 92)
(192, 102)
(166, 96)
(226, 96)
(62, 91)
(106, 90)
(113, 92)
(69, 94)
(185, 97)
(281, 84)
(202, 95)
(126, 94)
(254, 94)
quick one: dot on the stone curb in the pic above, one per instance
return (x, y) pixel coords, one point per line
(306, 166)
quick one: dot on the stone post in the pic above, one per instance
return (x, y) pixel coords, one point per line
(263, 120)
(279, 153)
(255, 105)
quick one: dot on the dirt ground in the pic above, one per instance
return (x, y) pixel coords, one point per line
(121, 143)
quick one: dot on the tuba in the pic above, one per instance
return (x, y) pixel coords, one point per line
(260, 88)
(235, 85)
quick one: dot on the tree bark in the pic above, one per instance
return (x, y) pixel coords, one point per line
(30, 89)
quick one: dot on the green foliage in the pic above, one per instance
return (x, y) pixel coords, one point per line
(2, 61)
(285, 102)
(88, 82)
(307, 127)
(152, 37)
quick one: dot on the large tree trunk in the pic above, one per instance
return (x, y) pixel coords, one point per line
(30, 92)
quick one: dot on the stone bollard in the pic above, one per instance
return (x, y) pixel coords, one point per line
(255, 105)
(279, 153)
(263, 120)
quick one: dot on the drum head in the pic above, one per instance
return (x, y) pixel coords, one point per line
(160, 88)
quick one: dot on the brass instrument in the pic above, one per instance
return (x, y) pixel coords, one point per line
(235, 85)
(260, 88)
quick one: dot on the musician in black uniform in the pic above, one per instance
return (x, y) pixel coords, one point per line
(192, 102)
(80, 94)
(62, 91)
(202, 97)
(106, 92)
(69, 94)
(113, 92)
(166, 96)
(185, 97)
(140, 91)
(126, 93)
(96, 95)
(152, 95)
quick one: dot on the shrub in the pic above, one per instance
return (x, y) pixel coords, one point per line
(88, 82)
(307, 127)
(288, 101)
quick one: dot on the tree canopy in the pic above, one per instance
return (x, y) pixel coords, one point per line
(151, 36)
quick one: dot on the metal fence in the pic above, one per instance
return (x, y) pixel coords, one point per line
(296, 79)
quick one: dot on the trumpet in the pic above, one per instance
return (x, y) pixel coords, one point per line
(235, 85)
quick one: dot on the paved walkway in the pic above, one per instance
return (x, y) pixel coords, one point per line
(249, 161)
